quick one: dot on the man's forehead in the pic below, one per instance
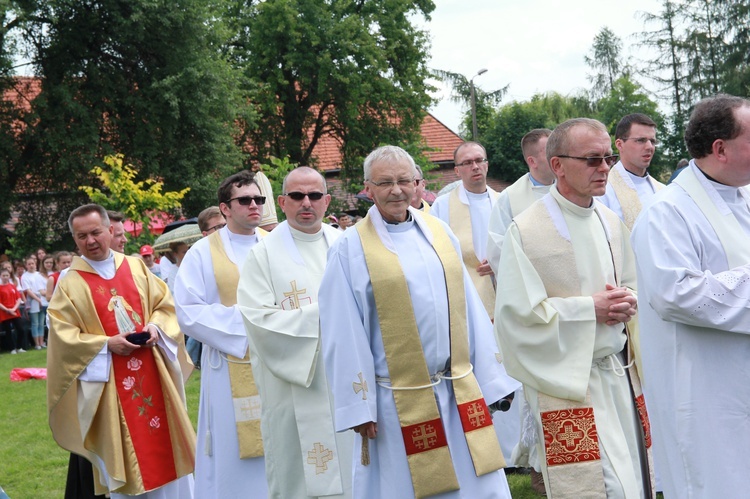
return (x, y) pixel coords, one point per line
(469, 151)
(399, 168)
(245, 190)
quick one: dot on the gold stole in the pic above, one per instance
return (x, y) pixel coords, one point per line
(424, 437)
(571, 444)
(425, 207)
(244, 392)
(630, 203)
(460, 222)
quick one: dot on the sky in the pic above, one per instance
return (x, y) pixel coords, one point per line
(534, 45)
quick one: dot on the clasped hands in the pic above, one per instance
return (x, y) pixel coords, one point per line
(615, 305)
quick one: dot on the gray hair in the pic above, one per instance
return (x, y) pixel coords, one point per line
(305, 170)
(559, 140)
(388, 154)
(87, 209)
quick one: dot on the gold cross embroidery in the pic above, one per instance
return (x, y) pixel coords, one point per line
(476, 414)
(361, 386)
(295, 294)
(424, 436)
(319, 456)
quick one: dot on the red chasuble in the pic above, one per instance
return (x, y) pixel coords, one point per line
(118, 304)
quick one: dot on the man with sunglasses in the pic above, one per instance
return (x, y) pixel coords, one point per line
(466, 209)
(277, 296)
(692, 246)
(229, 457)
(630, 186)
(565, 299)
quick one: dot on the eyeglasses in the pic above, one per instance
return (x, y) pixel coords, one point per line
(247, 200)
(594, 161)
(469, 162)
(216, 227)
(389, 184)
(642, 141)
(299, 196)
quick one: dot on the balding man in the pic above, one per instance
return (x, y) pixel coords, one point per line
(566, 286)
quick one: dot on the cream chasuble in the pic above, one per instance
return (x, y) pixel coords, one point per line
(277, 296)
(567, 361)
(86, 417)
(460, 223)
(429, 458)
(244, 392)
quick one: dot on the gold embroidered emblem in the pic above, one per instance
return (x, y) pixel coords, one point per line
(318, 457)
(100, 289)
(476, 415)
(361, 386)
(424, 436)
(294, 294)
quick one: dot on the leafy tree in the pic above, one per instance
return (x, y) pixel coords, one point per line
(140, 77)
(604, 59)
(137, 200)
(626, 97)
(349, 69)
(486, 102)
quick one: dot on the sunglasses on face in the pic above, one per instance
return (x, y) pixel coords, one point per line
(299, 196)
(248, 200)
(594, 161)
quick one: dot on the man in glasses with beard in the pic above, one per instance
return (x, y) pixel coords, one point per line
(229, 458)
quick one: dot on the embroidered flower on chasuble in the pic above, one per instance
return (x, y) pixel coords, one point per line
(154, 423)
(128, 383)
(134, 364)
(570, 436)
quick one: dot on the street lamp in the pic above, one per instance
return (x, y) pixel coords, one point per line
(474, 104)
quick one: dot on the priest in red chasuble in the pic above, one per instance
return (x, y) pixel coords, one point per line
(111, 399)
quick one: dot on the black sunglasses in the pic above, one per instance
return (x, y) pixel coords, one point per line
(247, 200)
(594, 161)
(299, 196)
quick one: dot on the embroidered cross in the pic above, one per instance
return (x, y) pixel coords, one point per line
(295, 294)
(569, 435)
(476, 414)
(360, 387)
(319, 456)
(249, 408)
(424, 436)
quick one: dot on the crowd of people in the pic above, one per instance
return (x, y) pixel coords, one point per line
(586, 323)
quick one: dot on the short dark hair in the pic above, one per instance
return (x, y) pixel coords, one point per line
(239, 179)
(713, 119)
(206, 215)
(87, 209)
(115, 216)
(532, 138)
(627, 121)
(464, 144)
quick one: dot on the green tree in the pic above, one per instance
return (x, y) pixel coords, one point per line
(140, 77)
(348, 69)
(137, 200)
(486, 102)
(604, 59)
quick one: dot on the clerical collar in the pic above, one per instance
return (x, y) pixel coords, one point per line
(408, 219)
(709, 177)
(105, 268)
(304, 236)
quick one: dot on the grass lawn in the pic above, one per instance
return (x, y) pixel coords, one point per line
(31, 463)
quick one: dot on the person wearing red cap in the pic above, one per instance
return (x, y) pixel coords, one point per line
(147, 255)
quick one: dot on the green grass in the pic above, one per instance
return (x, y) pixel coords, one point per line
(31, 463)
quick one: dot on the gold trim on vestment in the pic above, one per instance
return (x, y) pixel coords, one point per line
(459, 215)
(431, 470)
(244, 392)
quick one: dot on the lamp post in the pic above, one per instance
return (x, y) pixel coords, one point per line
(474, 104)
